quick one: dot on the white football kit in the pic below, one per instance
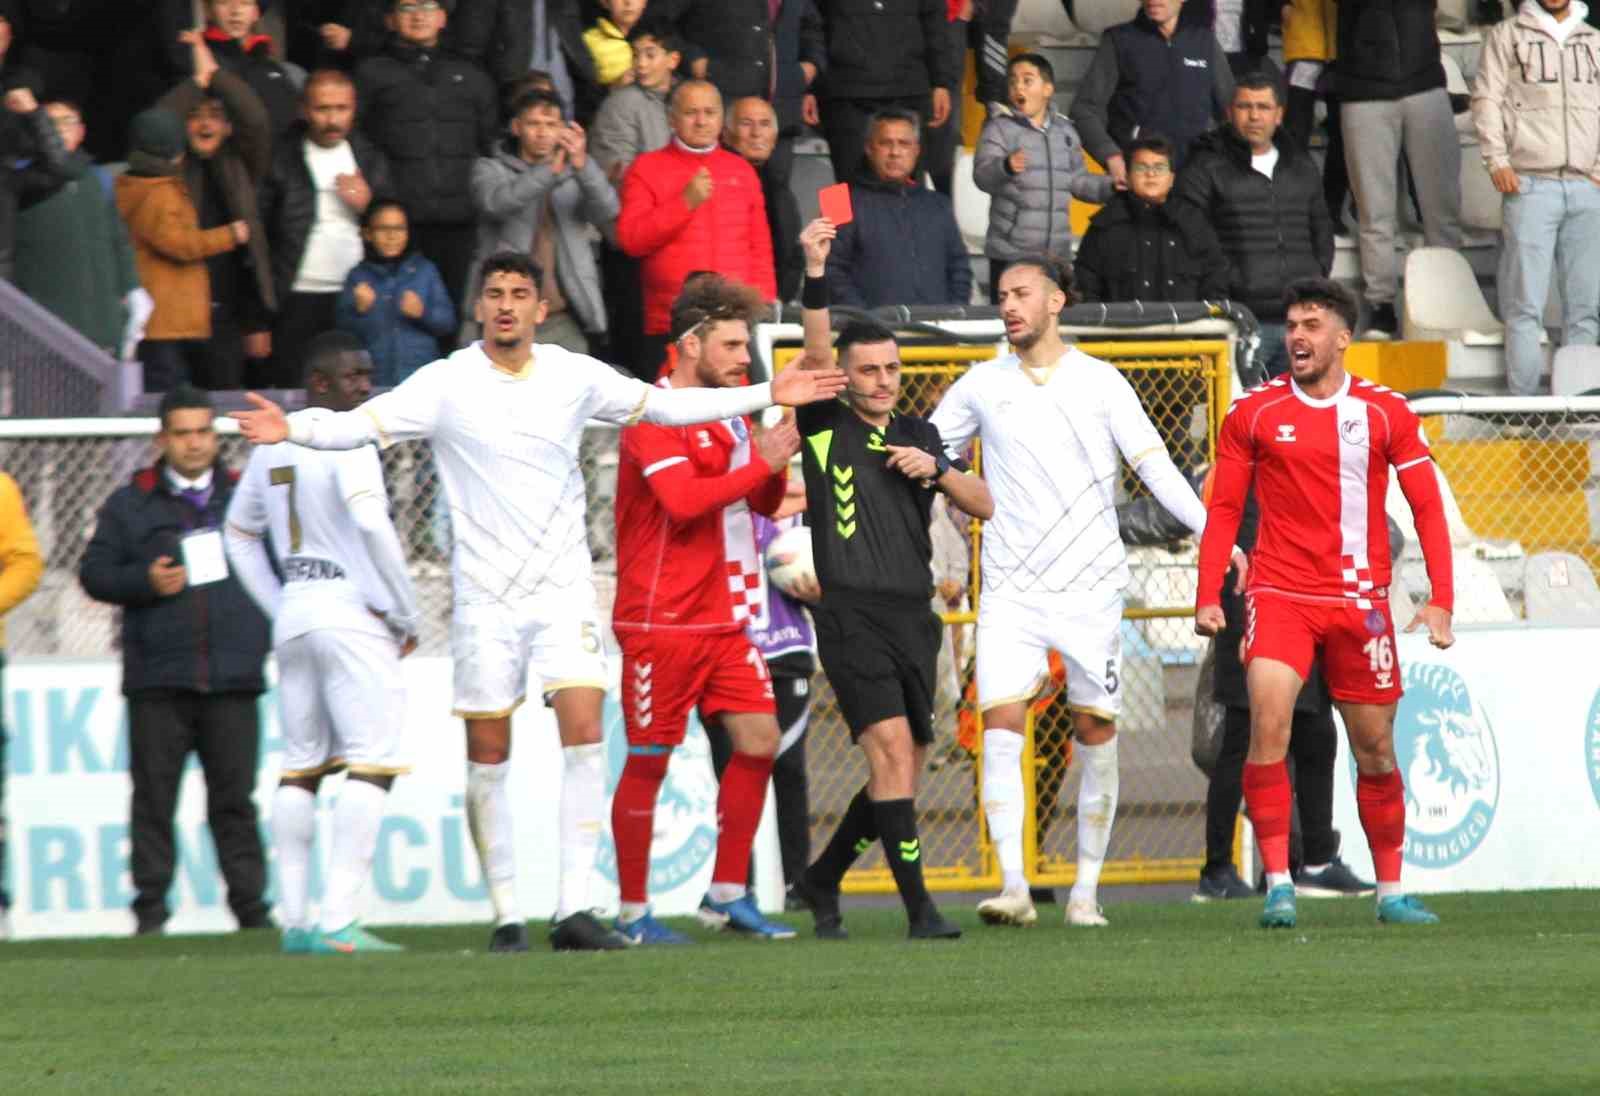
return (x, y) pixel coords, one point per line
(341, 696)
(506, 447)
(1054, 566)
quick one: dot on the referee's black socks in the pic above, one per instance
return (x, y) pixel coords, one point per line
(897, 826)
(858, 829)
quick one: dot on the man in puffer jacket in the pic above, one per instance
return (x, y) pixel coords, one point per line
(1264, 198)
(692, 206)
(1390, 82)
(1537, 109)
(1030, 159)
(433, 115)
(903, 246)
(543, 190)
(1142, 247)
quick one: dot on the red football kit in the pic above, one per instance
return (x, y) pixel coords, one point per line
(1320, 572)
(688, 575)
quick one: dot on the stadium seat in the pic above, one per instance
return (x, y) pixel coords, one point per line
(1096, 16)
(1042, 19)
(1575, 369)
(1559, 588)
(1444, 303)
(972, 204)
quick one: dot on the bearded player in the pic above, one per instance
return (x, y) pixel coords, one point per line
(1319, 443)
(688, 582)
(505, 416)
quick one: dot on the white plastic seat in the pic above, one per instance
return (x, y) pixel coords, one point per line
(1575, 369)
(1096, 16)
(972, 204)
(1559, 588)
(1444, 302)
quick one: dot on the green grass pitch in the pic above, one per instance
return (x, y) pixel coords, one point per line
(1503, 997)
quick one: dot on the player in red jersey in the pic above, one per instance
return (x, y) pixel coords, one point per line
(688, 581)
(1319, 444)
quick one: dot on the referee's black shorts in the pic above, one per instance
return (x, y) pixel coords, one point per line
(880, 655)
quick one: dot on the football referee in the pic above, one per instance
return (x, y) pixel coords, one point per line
(871, 474)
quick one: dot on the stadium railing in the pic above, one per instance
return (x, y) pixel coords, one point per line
(48, 369)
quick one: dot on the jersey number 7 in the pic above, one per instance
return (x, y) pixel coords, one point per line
(285, 475)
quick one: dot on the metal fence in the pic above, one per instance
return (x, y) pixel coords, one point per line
(48, 368)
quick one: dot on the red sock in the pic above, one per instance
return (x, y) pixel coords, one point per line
(1381, 803)
(739, 803)
(633, 817)
(1266, 793)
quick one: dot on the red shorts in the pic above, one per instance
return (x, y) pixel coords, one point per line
(665, 677)
(1358, 652)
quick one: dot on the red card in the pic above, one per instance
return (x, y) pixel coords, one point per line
(835, 203)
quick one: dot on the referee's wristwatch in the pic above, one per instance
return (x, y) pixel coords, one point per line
(941, 463)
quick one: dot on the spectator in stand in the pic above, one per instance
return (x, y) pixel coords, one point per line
(692, 205)
(1030, 158)
(322, 179)
(903, 247)
(433, 115)
(170, 252)
(31, 157)
(506, 38)
(335, 33)
(394, 300)
(752, 132)
(608, 44)
(73, 255)
(541, 193)
(194, 649)
(1308, 50)
(1264, 198)
(1142, 247)
(1539, 130)
(882, 57)
(230, 32)
(230, 149)
(1162, 71)
(633, 119)
(1392, 101)
(1241, 28)
(21, 567)
(768, 49)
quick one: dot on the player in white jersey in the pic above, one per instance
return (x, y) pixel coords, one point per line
(505, 418)
(343, 617)
(1053, 422)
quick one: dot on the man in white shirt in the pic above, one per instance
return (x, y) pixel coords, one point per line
(1054, 422)
(343, 617)
(505, 418)
(323, 176)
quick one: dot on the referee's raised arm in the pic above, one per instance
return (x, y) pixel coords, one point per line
(816, 240)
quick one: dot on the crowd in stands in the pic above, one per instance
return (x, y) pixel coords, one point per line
(294, 166)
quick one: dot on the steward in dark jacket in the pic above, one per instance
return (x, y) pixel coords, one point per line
(193, 650)
(902, 247)
(886, 49)
(1272, 230)
(433, 115)
(1141, 82)
(289, 198)
(1136, 251)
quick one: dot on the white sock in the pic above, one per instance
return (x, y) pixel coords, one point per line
(294, 825)
(1313, 869)
(1002, 803)
(489, 820)
(1278, 879)
(583, 805)
(1097, 809)
(726, 892)
(1390, 890)
(632, 911)
(356, 818)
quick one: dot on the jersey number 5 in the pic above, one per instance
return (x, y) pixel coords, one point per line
(279, 477)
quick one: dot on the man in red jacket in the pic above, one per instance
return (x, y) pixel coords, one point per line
(692, 205)
(688, 581)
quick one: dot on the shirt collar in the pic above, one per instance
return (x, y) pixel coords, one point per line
(202, 482)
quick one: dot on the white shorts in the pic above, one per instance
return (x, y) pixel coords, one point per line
(342, 702)
(496, 644)
(1015, 639)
